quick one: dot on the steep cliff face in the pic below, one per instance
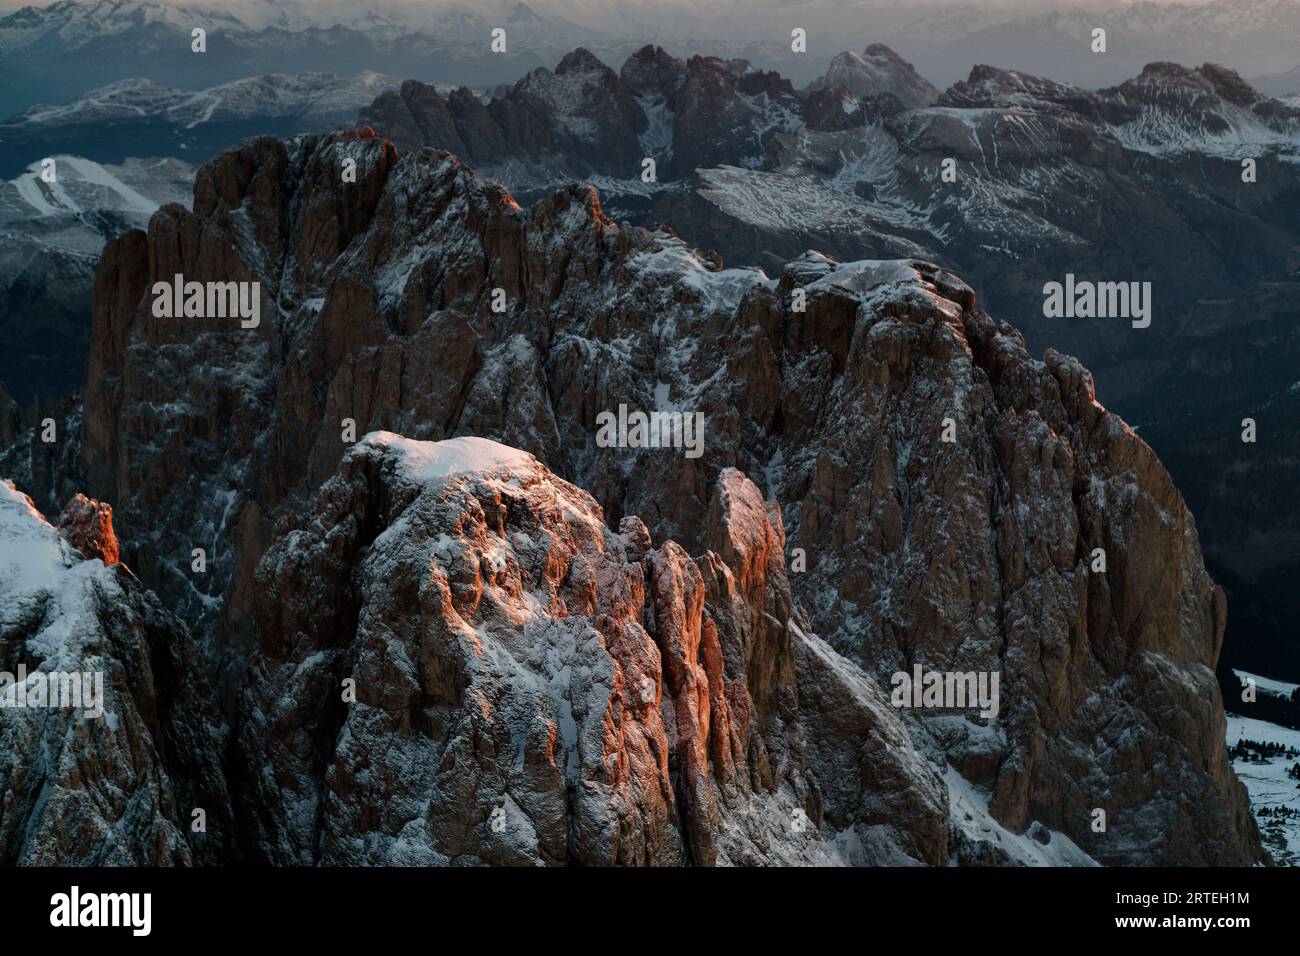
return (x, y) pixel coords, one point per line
(985, 552)
(533, 687)
(834, 387)
(109, 737)
(585, 119)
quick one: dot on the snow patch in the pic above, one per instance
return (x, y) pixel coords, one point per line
(1037, 846)
(1268, 684)
(431, 460)
(32, 553)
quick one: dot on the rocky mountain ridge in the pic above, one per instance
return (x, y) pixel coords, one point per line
(1183, 178)
(587, 121)
(327, 96)
(44, 49)
(973, 554)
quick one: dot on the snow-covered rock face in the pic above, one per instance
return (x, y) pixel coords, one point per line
(1032, 159)
(532, 686)
(1167, 110)
(1150, 180)
(31, 552)
(106, 771)
(316, 97)
(877, 70)
(1171, 109)
(969, 555)
(54, 232)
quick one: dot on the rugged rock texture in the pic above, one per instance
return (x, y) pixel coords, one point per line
(977, 554)
(1138, 183)
(119, 787)
(10, 418)
(88, 526)
(49, 471)
(565, 693)
(965, 555)
(584, 119)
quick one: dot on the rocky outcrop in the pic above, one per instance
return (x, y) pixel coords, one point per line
(110, 743)
(652, 72)
(984, 553)
(946, 492)
(88, 526)
(567, 693)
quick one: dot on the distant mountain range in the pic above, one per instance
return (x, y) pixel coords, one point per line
(51, 235)
(138, 117)
(55, 53)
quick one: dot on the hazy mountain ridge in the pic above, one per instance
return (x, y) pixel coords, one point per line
(53, 235)
(135, 117)
(325, 96)
(449, 44)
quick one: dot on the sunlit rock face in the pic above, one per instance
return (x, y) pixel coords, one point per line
(88, 526)
(535, 687)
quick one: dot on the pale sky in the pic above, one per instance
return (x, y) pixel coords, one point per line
(752, 18)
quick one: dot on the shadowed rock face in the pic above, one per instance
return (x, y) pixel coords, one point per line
(585, 119)
(109, 770)
(969, 555)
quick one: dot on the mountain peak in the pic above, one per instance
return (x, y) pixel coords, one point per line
(426, 461)
(522, 13)
(385, 316)
(1210, 78)
(581, 60)
(875, 71)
